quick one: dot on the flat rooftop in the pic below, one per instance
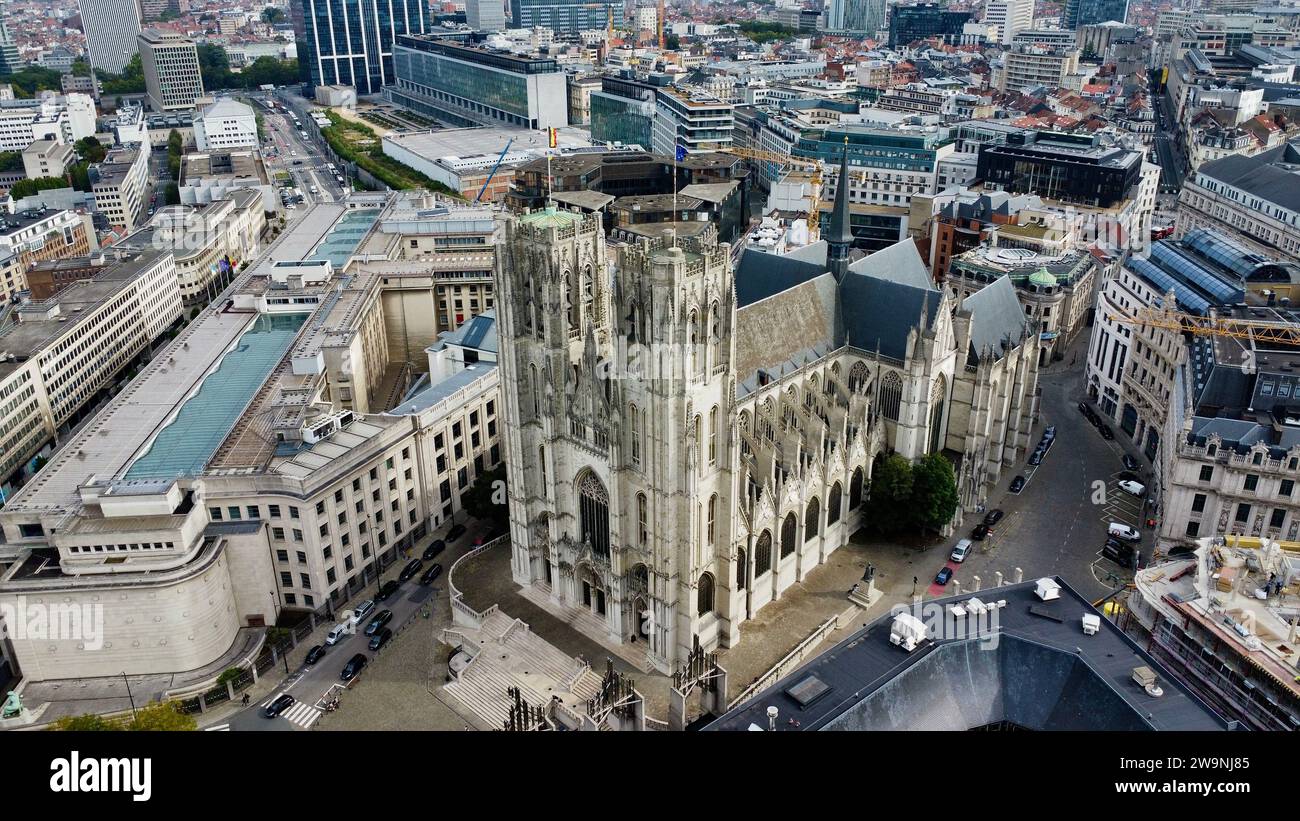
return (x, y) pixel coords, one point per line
(1031, 667)
(478, 141)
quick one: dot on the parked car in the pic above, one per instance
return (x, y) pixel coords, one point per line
(1119, 557)
(1017, 484)
(282, 703)
(1126, 476)
(315, 654)
(962, 550)
(434, 549)
(943, 576)
(1129, 462)
(362, 610)
(1105, 432)
(981, 530)
(1050, 433)
(457, 530)
(381, 618)
(389, 588)
(1116, 544)
(381, 638)
(338, 631)
(434, 571)
(993, 517)
(412, 567)
(1123, 531)
(355, 665)
(1135, 488)
(1036, 458)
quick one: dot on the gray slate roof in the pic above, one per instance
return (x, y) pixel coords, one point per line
(879, 314)
(760, 275)
(995, 315)
(900, 262)
(1265, 175)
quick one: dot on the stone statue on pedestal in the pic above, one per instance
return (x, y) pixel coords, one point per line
(13, 706)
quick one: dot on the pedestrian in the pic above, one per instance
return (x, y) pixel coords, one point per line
(245, 699)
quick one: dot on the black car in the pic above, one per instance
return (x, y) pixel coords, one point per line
(980, 531)
(457, 530)
(388, 589)
(412, 567)
(1084, 409)
(1129, 462)
(1105, 432)
(1127, 476)
(378, 621)
(278, 706)
(993, 517)
(315, 654)
(434, 549)
(1017, 484)
(1116, 544)
(381, 638)
(1050, 433)
(1119, 557)
(434, 571)
(1037, 456)
(355, 665)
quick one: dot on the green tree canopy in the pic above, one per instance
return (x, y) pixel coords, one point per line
(486, 499)
(272, 15)
(130, 81)
(31, 79)
(163, 715)
(11, 161)
(934, 492)
(91, 149)
(891, 491)
(172, 194)
(25, 188)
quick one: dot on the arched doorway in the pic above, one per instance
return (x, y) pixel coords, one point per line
(590, 590)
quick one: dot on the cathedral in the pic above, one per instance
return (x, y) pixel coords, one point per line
(687, 437)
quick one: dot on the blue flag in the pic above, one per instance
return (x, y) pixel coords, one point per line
(681, 153)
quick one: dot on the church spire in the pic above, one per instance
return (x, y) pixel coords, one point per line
(840, 237)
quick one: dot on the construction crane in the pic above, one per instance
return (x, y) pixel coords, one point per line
(1258, 331)
(663, 41)
(815, 166)
(495, 166)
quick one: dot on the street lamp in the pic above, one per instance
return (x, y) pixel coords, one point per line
(127, 682)
(275, 603)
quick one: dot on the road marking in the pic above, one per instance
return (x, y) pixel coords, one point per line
(217, 728)
(304, 715)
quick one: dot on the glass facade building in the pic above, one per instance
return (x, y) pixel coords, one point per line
(350, 42)
(1090, 12)
(463, 84)
(1067, 167)
(623, 111)
(564, 16)
(908, 24)
(871, 148)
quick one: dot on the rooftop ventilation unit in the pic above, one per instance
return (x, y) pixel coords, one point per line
(1047, 589)
(907, 631)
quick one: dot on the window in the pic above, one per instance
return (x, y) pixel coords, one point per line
(833, 505)
(634, 422)
(713, 436)
(1193, 529)
(320, 508)
(293, 512)
(593, 509)
(214, 513)
(282, 555)
(338, 496)
(642, 531)
(1252, 482)
(855, 489)
(1207, 473)
(1278, 517)
(891, 395)
(253, 512)
(302, 557)
(711, 519)
(286, 579)
(811, 520)
(763, 554)
(740, 569)
(1243, 512)
(704, 596)
(1198, 503)
(789, 533)
(273, 510)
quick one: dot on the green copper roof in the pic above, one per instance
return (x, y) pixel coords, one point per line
(551, 217)
(1042, 278)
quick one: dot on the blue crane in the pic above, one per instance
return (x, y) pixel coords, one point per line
(494, 169)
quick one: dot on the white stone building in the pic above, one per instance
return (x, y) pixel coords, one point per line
(224, 125)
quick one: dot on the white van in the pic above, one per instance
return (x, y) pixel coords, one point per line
(962, 550)
(338, 631)
(364, 609)
(1130, 486)
(1123, 531)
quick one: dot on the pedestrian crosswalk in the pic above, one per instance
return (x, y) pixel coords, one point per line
(304, 715)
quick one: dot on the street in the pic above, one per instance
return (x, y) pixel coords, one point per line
(284, 151)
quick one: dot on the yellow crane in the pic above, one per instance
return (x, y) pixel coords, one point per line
(814, 166)
(1261, 332)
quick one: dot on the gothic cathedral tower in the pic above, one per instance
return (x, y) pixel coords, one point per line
(616, 383)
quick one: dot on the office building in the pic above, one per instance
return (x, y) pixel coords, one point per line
(61, 119)
(351, 43)
(1010, 16)
(10, 60)
(1090, 12)
(1072, 168)
(694, 120)
(272, 467)
(623, 111)
(1026, 67)
(111, 27)
(226, 124)
(1254, 200)
(118, 184)
(923, 21)
(563, 16)
(32, 236)
(58, 354)
(171, 70)
(858, 16)
(47, 158)
(485, 15)
(466, 85)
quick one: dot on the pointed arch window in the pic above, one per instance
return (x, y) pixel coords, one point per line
(704, 595)
(711, 519)
(855, 490)
(741, 567)
(713, 435)
(789, 534)
(536, 387)
(642, 521)
(763, 554)
(833, 505)
(891, 395)
(634, 422)
(812, 520)
(593, 509)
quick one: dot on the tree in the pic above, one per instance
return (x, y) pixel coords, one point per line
(130, 81)
(83, 723)
(11, 161)
(162, 716)
(25, 188)
(272, 15)
(891, 490)
(486, 498)
(934, 492)
(31, 79)
(91, 149)
(172, 194)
